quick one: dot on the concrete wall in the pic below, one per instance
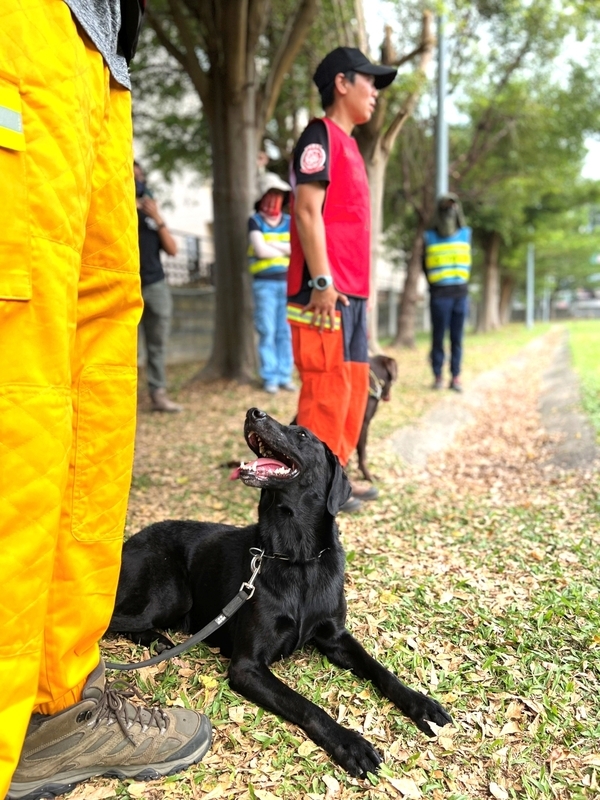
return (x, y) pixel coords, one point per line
(192, 326)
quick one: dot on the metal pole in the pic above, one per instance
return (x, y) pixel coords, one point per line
(441, 135)
(530, 283)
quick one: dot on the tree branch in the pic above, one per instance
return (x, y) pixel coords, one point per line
(485, 124)
(361, 28)
(426, 50)
(291, 42)
(190, 62)
(232, 21)
(163, 38)
(258, 13)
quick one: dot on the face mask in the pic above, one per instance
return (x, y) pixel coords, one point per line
(140, 188)
(271, 204)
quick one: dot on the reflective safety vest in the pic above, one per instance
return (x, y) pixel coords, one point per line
(260, 267)
(448, 258)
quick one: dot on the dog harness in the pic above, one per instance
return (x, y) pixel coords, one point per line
(375, 385)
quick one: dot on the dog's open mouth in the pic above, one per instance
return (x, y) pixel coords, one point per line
(270, 463)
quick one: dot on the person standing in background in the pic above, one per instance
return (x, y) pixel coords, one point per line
(447, 265)
(70, 306)
(328, 280)
(154, 236)
(268, 259)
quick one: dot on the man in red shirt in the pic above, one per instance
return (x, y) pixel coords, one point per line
(328, 277)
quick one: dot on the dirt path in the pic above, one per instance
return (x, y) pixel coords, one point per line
(515, 427)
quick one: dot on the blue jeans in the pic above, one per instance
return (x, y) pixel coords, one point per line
(274, 335)
(447, 313)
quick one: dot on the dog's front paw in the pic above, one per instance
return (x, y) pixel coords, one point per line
(163, 644)
(355, 754)
(429, 710)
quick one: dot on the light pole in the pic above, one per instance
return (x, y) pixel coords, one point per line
(530, 284)
(441, 131)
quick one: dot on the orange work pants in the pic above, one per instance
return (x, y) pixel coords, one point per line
(69, 309)
(334, 393)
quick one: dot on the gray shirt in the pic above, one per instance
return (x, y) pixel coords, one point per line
(101, 20)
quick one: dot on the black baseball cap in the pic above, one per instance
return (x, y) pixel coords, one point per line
(346, 59)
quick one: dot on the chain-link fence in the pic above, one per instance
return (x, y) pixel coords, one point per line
(194, 263)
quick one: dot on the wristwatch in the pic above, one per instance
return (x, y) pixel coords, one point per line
(321, 282)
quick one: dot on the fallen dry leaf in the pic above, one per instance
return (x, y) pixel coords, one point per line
(499, 792)
(406, 786)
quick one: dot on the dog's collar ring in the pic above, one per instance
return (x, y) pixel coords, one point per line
(255, 565)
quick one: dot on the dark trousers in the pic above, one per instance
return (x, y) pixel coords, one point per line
(447, 313)
(156, 324)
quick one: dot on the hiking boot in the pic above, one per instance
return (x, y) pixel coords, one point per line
(351, 505)
(437, 383)
(455, 384)
(364, 493)
(104, 734)
(160, 402)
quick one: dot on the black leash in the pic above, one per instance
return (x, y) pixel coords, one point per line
(245, 593)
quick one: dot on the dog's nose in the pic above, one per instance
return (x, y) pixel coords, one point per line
(256, 414)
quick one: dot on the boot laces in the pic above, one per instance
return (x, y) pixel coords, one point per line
(113, 707)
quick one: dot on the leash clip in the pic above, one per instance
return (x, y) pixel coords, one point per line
(255, 565)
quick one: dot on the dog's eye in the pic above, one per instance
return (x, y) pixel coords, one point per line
(302, 434)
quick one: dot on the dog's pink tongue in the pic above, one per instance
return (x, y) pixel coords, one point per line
(264, 464)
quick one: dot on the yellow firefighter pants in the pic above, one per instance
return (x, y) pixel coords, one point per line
(69, 309)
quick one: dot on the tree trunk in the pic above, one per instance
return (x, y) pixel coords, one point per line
(234, 150)
(489, 318)
(507, 287)
(376, 167)
(408, 302)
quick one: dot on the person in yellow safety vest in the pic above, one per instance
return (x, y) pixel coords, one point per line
(268, 261)
(447, 265)
(70, 304)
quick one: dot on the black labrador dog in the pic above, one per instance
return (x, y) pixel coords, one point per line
(383, 371)
(180, 574)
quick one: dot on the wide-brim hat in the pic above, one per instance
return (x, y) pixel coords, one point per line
(268, 181)
(351, 59)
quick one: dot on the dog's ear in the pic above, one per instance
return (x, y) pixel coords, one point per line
(392, 368)
(339, 489)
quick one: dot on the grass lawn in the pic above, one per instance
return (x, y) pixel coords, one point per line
(482, 594)
(584, 338)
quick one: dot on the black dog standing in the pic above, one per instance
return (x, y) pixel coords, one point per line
(180, 574)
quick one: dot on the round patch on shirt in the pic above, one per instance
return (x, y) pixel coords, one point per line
(313, 159)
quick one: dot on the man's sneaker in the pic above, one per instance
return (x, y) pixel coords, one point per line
(455, 384)
(351, 505)
(104, 734)
(290, 386)
(364, 493)
(271, 388)
(437, 383)
(161, 402)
